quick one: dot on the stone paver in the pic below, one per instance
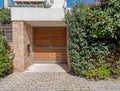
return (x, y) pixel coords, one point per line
(59, 81)
(47, 68)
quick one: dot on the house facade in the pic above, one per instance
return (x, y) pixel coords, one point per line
(39, 33)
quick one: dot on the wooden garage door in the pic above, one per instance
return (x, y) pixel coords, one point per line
(50, 43)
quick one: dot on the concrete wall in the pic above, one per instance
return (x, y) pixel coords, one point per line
(37, 14)
(58, 3)
(22, 36)
(54, 13)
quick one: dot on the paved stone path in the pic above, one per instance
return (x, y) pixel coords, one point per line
(47, 68)
(28, 81)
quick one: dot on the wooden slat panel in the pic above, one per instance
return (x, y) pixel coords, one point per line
(49, 38)
(55, 36)
(41, 37)
(7, 29)
(50, 54)
(58, 37)
(41, 56)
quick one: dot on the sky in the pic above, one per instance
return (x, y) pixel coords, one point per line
(2, 2)
(70, 2)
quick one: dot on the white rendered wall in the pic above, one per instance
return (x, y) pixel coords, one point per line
(6, 3)
(54, 13)
(58, 3)
(37, 14)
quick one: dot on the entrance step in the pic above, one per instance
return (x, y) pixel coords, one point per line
(36, 67)
(49, 62)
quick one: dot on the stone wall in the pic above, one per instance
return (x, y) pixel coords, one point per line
(22, 37)
(28, 45)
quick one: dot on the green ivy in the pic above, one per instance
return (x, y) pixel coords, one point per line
(94, 37)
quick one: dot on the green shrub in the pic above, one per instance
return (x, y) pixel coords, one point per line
(117, 68)
(5, 15)
(99, 71)
(114, 60)
(94, 33)
(5, 56)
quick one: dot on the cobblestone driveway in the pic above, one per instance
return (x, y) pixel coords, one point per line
(54, 82)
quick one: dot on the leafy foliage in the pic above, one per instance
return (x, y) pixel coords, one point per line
(5, 56)
(4, 15)
(94, 38)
